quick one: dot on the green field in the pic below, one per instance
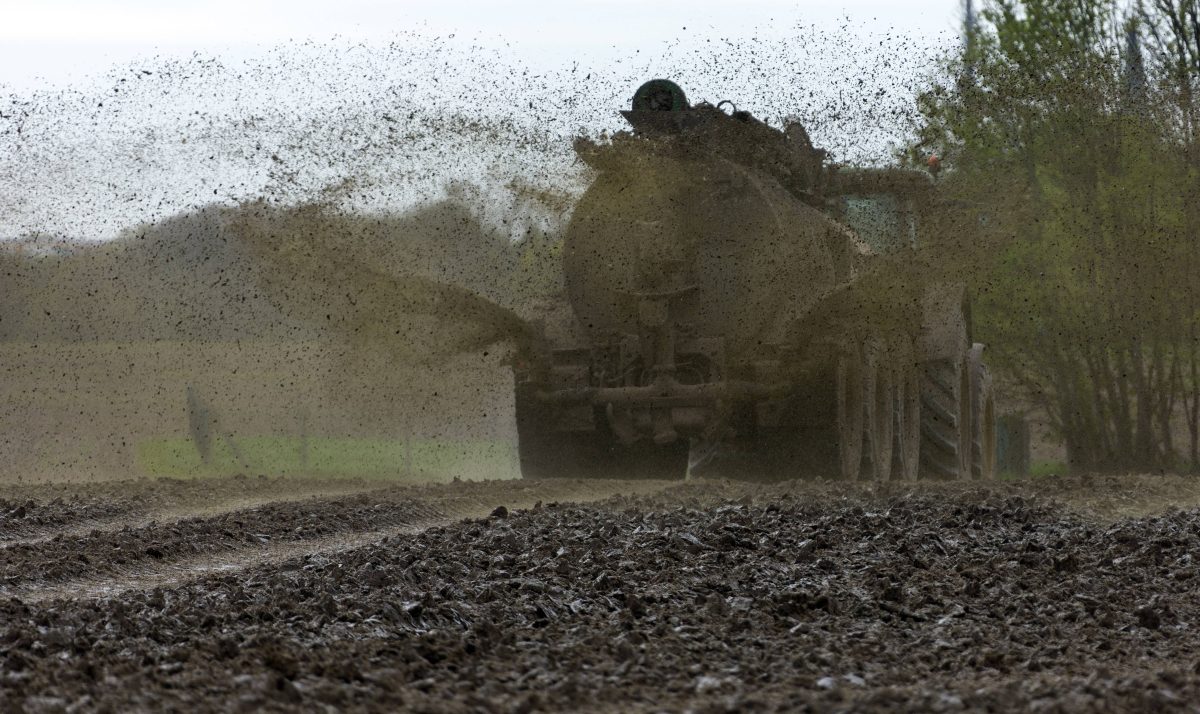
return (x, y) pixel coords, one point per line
(1039, 469)
(378, 458)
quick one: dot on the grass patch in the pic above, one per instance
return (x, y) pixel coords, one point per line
(427, 459)
(1048, 468)
(1041, 469)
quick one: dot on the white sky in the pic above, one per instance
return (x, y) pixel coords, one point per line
(111, 114)
(60, 42)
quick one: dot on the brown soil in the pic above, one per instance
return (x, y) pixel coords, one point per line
(605, 596)
(39, 511)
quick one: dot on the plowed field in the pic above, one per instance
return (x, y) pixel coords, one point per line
(271, 594)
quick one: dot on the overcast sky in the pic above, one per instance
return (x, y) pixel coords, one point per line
(111, 113)
(59, 42)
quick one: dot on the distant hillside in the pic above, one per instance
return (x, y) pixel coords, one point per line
(189, 278)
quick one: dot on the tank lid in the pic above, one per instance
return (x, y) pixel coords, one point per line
(660, 95)
(660, 107)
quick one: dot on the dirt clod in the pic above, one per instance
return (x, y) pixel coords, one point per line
(926, 600)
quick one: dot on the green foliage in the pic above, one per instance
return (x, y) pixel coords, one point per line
(1090, 304)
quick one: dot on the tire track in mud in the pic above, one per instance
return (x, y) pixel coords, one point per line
(105, 553)
(152, 542)
(33, 514)
(103, 562)
(176, 573)
(133, 518)
(26, 520)
(665, 597)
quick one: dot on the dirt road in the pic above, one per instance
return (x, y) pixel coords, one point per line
(607, 596)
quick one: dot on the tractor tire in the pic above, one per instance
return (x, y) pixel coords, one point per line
(545, 452)
(983, 417)
(879, 418)
(946, 433)
(907, 429)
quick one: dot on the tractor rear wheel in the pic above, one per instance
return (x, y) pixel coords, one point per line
(850, 387)
(945, 451)
(879, 415)
(545, 452)
(983, 410)
(907, 453)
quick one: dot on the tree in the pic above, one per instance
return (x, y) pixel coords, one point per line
(1054, 130)
(1173, 29)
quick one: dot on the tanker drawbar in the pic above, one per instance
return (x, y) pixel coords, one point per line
(735, 305)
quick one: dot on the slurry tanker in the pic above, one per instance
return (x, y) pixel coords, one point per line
(735, 305)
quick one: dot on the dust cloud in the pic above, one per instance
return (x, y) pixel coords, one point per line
(329, 249)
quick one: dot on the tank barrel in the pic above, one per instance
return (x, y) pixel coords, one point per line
(719, 272)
